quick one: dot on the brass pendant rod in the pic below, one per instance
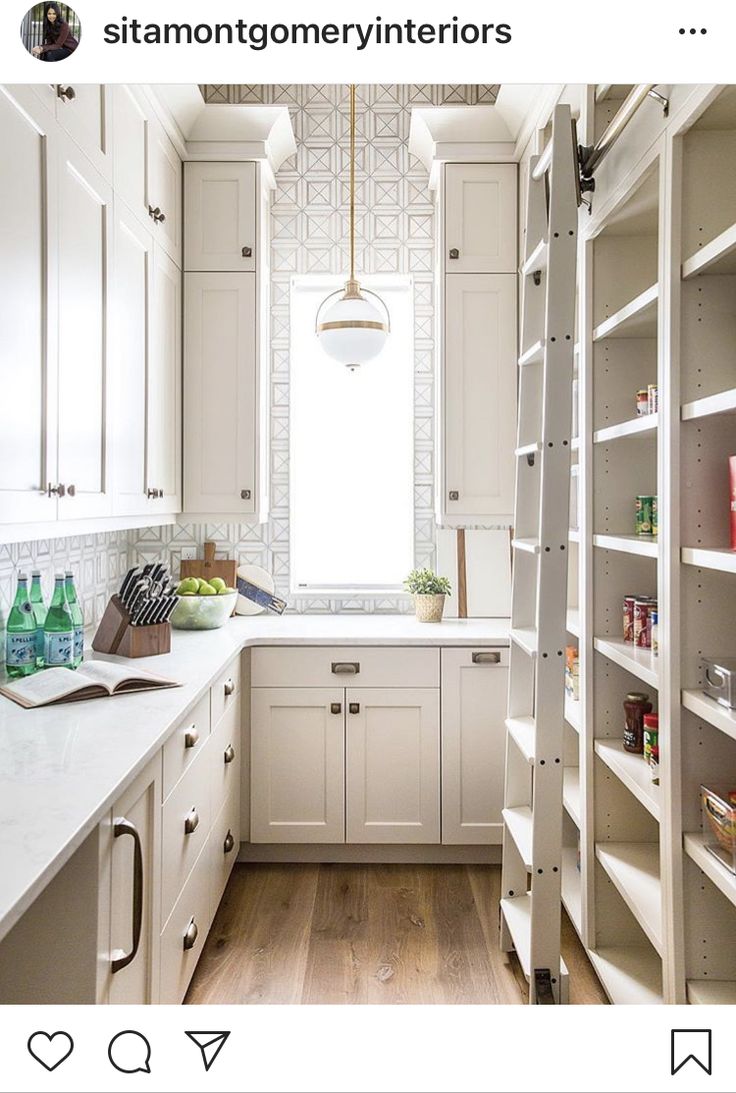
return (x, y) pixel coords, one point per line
(352, 181)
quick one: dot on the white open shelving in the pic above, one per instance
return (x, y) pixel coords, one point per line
(640, 662)
(710, 557)
(571, 793)
(724, 402)
(711, 711)
(723, 878)
(572, 886)
(633, 771)
(637, 319)
(631, 974)
(643, 545)
(644, 426)
(717, 257)
(634, 870)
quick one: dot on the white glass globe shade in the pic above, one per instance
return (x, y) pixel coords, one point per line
(352, 330)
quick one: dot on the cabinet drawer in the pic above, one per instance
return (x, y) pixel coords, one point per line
(345, 666)
(223, 847)
(185, 744)
(225, 691)
(183, 937)
(225, 758)
(186, 822)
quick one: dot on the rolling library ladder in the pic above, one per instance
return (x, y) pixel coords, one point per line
(532, 842)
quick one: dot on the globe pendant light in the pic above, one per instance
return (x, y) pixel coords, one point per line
(352, 328)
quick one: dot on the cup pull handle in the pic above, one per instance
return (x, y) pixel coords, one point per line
(486, 658)
(345, 668)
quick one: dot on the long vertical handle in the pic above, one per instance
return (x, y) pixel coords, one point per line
(125, 827)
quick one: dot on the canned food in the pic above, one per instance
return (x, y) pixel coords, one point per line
(653, 398)
(642, 402)
(644, 513)
(654, 631)
(654, 764)
(655, 517)
(629, 618)
(636, 705)
(651, 733)
(642, 633)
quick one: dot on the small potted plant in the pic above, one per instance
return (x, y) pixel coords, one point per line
(429, 593)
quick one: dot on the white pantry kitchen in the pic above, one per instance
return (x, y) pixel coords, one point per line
(367, 544)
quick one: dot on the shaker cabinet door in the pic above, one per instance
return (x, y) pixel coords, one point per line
(164, 191)
(163, 418)
(479, 395)
(480, 218)
(220, 227)
(220, 420)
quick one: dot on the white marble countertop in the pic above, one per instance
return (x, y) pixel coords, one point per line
(62, 767)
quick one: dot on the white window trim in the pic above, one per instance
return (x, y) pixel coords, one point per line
(375, 282)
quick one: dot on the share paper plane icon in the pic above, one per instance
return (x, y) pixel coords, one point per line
(210, 1044)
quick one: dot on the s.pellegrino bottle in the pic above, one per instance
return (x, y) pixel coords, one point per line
(58, 630)
(75, 609)
(20, 649)
(39, 614)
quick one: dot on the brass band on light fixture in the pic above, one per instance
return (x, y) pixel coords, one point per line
(352, 311)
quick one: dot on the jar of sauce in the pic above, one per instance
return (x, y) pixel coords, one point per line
(635, 706)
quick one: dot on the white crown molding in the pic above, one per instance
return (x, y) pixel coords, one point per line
(467, 134)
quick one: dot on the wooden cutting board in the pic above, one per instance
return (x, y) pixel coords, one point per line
(208, 567)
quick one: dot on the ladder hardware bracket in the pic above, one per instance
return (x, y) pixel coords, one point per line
(543, 987)
(537, 277)
(530, 458)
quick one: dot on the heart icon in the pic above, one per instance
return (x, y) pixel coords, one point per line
(50, 1049)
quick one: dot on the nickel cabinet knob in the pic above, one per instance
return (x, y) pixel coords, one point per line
(191, 737)
(247, 252)
(336, 707)
(229, 687)
(454, 252)
(229, 754)
(354, 707)
(71, 490)
(191, 823)
(66, 94)
(229, 843)
(245, 495)
(57, 490)
(190, 936)
(454, 495)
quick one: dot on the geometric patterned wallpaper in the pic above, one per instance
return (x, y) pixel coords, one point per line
(395, 233)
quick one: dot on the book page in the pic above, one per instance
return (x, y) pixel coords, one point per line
(107, 674)
(48, 685)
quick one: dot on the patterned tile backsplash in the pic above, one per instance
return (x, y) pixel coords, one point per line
(395, 229)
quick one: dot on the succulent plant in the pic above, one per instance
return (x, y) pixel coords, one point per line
(423, 582)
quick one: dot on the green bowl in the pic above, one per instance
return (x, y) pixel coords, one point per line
(203, 612)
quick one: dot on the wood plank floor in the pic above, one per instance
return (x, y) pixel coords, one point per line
(330, 934)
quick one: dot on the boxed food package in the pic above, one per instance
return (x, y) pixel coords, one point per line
(572, 673)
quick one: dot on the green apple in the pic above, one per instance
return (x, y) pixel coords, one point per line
(188, 587)
(225, 591)
(201, 582)
(206, 589)
(218, 584)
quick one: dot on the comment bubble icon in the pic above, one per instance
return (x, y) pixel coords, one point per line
(130, 1052)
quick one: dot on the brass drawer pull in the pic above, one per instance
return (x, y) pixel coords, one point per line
(229, 754)
(191, 823)
(487, 658)
(345, 668)
(190, 936)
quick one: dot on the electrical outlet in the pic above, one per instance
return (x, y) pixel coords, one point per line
(188, 554)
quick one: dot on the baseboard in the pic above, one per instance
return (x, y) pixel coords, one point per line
(368, 854)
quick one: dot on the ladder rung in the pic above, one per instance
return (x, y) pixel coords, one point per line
(533, 355)
(517, 912)
(523, 732)
(519, 825)
(529, 449)
(528, 546)
(537, 260)
(527, 639)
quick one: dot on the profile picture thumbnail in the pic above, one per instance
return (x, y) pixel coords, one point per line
(51, 32)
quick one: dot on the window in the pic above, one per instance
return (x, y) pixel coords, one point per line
(351, 470)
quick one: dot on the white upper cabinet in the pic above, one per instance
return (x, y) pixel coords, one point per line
(478, 395)
(220, 393)
(163, 416)
(84, 244)
(480, 218)
(474, 693)
(84, 110)
(27, 311)
(164, 191)
(130, 149)
(220, 228)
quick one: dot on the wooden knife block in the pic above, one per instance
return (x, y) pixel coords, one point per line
(115, 634)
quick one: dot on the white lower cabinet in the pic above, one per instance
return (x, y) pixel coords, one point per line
(130, 890)
(392, 764)
(474, 690)
(184, 934)
(297, 765)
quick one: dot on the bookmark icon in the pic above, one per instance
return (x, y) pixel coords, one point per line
(210, 1045)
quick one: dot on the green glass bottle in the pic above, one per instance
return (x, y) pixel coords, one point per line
(39, 614)
(75, 609)
(58, 630)
(20, 649)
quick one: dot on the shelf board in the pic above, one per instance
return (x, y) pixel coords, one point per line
(573, 621)
(527, 546)
(527, 639)
(645, 425)
(518, 914)
(572, 887)
(537, 260)
(638, 319)
(533, 355)
(710, 558)
(640, 662)
(572, 713)
(519, 824)
(631, 975)
(716, 257)
(634, 870)
(643, 545)
(723, 878)
(711, 992)
(522, 731)
(632, 770)
(722, 403)
(571, 793)
(711, 711)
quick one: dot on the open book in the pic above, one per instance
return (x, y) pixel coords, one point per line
(94, 679)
